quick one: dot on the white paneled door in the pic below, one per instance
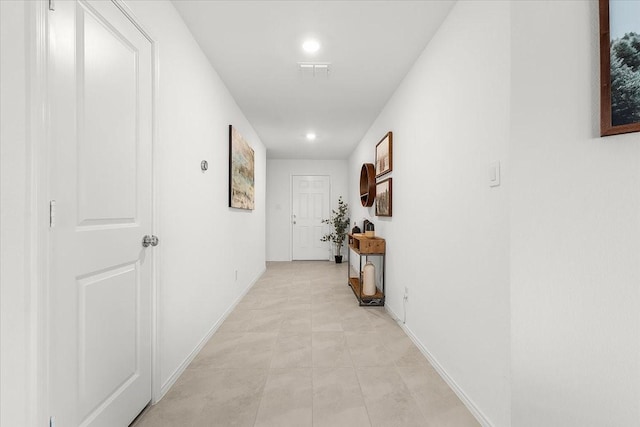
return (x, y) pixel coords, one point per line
(101, 97)
(310, 204)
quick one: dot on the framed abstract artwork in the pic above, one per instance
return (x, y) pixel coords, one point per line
(241, 171)
(384, 155)
(619, 67)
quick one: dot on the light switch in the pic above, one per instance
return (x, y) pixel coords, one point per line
(494, 174)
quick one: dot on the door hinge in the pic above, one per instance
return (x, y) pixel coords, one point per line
(52, 4)
(52, 213)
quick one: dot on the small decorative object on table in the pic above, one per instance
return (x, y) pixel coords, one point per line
(370, 230)
(340, 221)
(368, 279)
(355, 229)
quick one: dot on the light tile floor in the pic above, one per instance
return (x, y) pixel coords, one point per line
(299, 351)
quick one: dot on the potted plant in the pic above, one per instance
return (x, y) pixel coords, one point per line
(339, 221)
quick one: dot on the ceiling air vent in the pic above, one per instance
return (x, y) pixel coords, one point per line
(314, 69)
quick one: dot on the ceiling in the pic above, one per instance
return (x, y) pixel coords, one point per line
(255, 46)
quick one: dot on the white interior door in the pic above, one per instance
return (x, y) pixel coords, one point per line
(310, 204)
(101, 87)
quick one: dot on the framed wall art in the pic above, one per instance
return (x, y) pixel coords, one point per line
(619, 67)
(384, 155)
(384, 198)
(241, 171)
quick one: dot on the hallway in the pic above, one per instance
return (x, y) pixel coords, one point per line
(299, 351)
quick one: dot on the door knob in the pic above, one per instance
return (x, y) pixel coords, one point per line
(150, 241)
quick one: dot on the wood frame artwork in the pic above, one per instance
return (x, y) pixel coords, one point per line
(241, 171)
(384, 155)
(619, 67)
(384, 197)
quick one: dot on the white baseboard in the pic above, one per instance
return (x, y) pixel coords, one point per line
(183, 366)
(473, 408)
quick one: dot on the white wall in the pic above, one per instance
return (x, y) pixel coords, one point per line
(14, 281)
(202, 241)
(279, 172)
(448, 239)
(575, 295)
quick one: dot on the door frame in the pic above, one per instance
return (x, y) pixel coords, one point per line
(291, 206)
(36, 233)
(39, 155)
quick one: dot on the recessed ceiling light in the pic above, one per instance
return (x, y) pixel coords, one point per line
(311, 136)
(311, 46)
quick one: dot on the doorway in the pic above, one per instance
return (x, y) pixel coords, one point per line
(310, 204)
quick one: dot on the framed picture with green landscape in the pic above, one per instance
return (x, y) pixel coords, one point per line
(384, 197)
(619, 67)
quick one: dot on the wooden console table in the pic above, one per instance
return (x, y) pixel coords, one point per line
(365, 247)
